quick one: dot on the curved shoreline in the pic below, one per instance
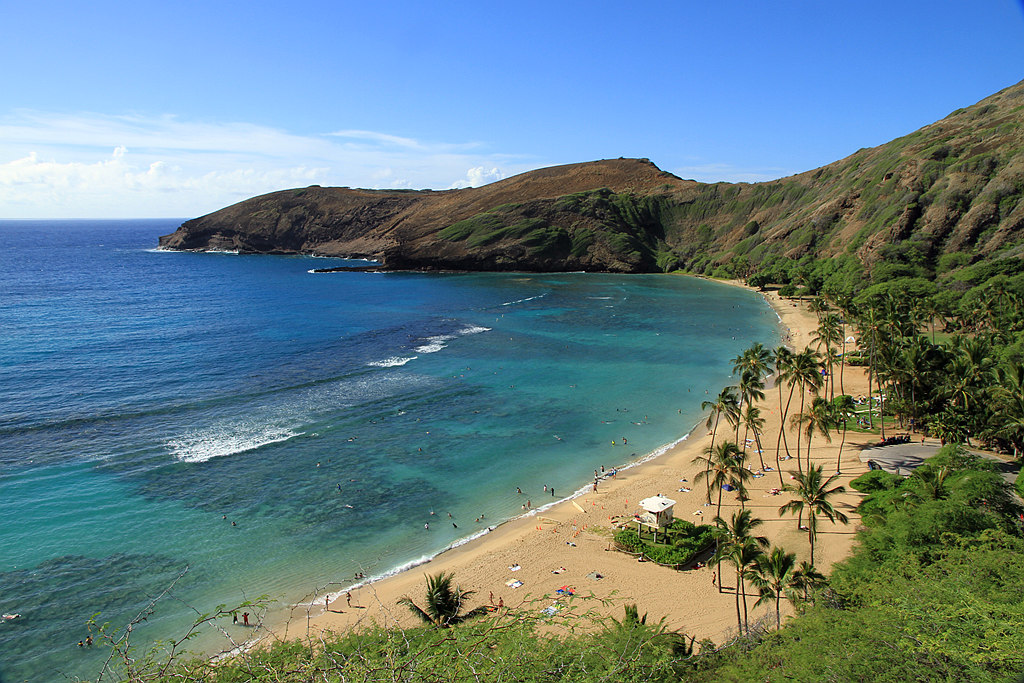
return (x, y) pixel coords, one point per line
(570, 536)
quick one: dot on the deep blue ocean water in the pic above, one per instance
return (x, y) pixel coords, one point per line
(149, 399)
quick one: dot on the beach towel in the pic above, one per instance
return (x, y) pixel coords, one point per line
(513, 583)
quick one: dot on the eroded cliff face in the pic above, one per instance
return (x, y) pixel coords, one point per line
(954, 186)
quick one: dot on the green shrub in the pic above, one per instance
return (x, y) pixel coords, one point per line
(683, 541)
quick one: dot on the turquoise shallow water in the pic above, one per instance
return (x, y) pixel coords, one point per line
(149, 399)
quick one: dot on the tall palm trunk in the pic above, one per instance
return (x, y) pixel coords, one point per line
(871, 400)
(881, 407)
(799, 466)
(743, 587)
(736, 593)
(839, 457)
(760, 451)
(842, 364)
(782, 431)
(707, 471)
(811, 524)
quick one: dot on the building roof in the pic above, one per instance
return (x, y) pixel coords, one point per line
(656, 504)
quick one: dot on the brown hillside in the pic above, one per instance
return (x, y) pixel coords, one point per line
(955, 186)
(348, 222)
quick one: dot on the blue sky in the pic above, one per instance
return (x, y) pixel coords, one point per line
(175, 109)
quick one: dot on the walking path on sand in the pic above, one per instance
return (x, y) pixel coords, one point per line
(567, 547)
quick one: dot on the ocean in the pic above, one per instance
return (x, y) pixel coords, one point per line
(233, 426)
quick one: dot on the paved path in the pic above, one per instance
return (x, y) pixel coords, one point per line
(901, 458)
(904, 458)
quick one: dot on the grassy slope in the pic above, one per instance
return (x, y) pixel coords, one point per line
(953, 186)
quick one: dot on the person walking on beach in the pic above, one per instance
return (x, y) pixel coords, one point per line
(348, 598)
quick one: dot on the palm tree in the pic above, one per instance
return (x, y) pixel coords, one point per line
(723, 465)
(819, 306)
(869, 327)
(636, 629)
(753, 421)
(738, 531)
(930, 484)
(751, 390)
(807, 373)
(826, 338)
(756, 360)
(813, 496)
(1010, 404)
(443, 606)
(773, 576)
(819, 417)
(845, 303)
(843, 407)
(783, 368)
(805, 579)
(744, 557)
(918, 362)
(726, 404)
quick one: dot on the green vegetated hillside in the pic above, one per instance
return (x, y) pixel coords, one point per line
(923, 205)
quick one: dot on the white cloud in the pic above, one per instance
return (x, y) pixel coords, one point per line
(91, 165)
(477, 176)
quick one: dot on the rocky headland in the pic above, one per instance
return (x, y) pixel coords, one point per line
(953, 187)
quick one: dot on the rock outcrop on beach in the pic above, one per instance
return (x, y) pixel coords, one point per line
(952, 187)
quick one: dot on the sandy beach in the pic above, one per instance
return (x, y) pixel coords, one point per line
(569, 544)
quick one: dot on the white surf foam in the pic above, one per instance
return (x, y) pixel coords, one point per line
(226, 440)
(521, 301)
(434, 344)
(440, 341)
(392, 362)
